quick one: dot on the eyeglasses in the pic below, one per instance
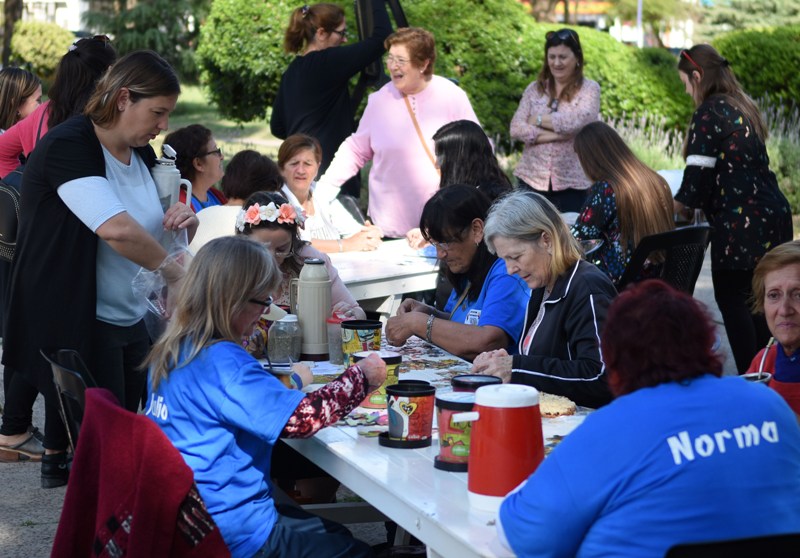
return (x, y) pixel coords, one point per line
(284, 254)
(217, 152)
(342, 33)
(563, 35)
(399, 62)
(265, 303)
(445, 246)
(685, 54)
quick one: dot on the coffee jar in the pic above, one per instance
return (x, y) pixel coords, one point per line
(285, 340)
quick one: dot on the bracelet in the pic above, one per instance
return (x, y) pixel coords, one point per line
(339, 241)
(429, 328)
(297, 381)
(539, 120)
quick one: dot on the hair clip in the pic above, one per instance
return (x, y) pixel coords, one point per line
(304, 10)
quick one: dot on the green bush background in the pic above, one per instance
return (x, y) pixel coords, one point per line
(492, 47)
(39, 46)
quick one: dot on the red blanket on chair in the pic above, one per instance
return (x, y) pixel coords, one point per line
(130, 492)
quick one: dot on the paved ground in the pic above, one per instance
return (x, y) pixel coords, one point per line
(29, 515)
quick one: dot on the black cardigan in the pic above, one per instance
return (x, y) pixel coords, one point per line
(564, 357)
(52, 293)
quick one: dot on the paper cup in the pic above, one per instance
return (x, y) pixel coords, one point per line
(360, 335)
(377, 398)
(410, 407)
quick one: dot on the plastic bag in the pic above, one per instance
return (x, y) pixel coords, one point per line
(152, 288)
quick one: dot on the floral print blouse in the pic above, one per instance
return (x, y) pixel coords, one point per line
(598, 219)
(554, 162)
(727, 176)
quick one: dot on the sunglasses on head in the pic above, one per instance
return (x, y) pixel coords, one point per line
(562, 35)
(685, 54)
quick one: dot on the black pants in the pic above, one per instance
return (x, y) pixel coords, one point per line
(569, 200)
(747, 332)
(118, 354)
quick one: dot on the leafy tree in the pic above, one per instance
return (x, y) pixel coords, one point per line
(491, 47)
(169, 27)
(12, 12)
(722, 16)
(654, 13)
(39, 46)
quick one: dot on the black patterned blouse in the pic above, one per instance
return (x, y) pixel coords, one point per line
(727, 176)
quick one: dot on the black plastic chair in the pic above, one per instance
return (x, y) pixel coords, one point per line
(775, 546)
(684, 250)
(71, 377)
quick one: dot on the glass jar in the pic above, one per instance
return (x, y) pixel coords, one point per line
(335, 354)
(285, 340)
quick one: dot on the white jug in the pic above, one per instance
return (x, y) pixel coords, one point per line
(168, 180)
(310, 299)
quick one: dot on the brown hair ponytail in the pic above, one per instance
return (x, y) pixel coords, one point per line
(304, 22)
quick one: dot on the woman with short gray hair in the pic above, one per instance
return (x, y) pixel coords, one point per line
(559, 352)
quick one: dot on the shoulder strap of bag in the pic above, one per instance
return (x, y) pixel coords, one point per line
(419, 132)
(41, 121)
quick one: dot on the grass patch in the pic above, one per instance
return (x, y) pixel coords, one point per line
(195, 108)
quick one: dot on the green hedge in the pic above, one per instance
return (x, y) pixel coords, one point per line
(492, 47)
(39, 47)
(765, 61)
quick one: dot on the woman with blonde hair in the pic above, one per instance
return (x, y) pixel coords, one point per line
(224, 413)
(559, 351)
(727, 176)
(314, 96)
(627, 201)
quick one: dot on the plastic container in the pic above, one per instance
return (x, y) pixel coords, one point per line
(285, 340)
(471, 382)
(335, 354)
(453, 436)
(377, 398)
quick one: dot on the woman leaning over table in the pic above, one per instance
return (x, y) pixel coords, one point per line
(559, 352)
(627, 201)
(552, 110)
(89, 219)
(329, 227)
(314, 97)
(776, 294)
(395, 134)
(199, 161)
(486, 307)
(224, 413)
(464, 155)
(270, 218)
(727, 176)
(671, 460)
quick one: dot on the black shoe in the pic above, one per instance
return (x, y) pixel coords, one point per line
(55, 470)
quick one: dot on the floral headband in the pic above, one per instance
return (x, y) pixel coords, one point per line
(256, 213)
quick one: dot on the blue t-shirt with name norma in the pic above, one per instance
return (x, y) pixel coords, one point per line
(501, 303)
(224, 413)
(703, 460)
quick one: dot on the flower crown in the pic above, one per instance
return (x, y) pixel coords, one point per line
(256, 213)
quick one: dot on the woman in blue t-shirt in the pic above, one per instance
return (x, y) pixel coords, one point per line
(225, 413)
(487, 306)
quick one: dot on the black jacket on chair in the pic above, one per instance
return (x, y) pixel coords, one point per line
(564, 356)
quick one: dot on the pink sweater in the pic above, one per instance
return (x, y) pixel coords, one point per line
(20, 139)
(402, 177)
(554, 161)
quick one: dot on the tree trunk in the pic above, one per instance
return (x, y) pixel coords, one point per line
(13, 13)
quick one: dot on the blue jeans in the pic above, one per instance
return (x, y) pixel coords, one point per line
(299, 534)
